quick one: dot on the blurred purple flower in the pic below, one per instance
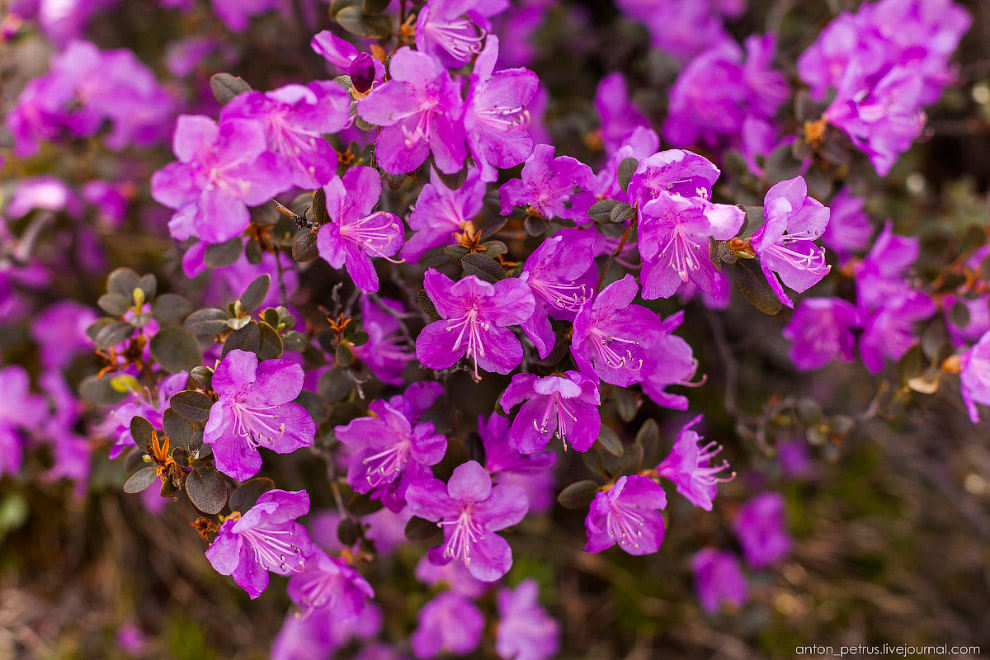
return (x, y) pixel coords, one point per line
(387, 352)
(525, 630)
(849, 229)
(449, 623)
(761, 527)
(440, 212)
(552, 187)
(619, 115)
(689, 466)
(718, 579)
(822, 330)
(329, 583)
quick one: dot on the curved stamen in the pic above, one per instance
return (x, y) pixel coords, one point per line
(271, 549)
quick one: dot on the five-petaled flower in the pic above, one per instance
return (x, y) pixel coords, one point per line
(627, 513)
(328, 582)
(562, 406)
(689, 466)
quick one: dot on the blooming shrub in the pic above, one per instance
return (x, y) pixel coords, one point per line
(398, 297)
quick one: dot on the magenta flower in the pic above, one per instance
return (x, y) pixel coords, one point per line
(975, 376)
(618, 114)
(849, 229)
(221, 171)
(60, 332)
(611, 335)
(453, 576)
(822, 330)
(355, 234)
(553, 187)
(295, 118)
(255, 410)
(890, 332)
(20, 411)
(346, 57)
(502, 458)
(117, 423)
(237, 14)
(391, 453)
(328, 582)
(683, 29)
(440, 212)
(640, 143)
(564, 407)
(627, 514)
(761, 527)
(670, 362)
(470, 510)
(476, 316)
(674, 238)
(525, 630)
(388, 351)
(449, 623)
(443, 32)
(718, 579)
(496, 120)
(673, 171)
(420, 110)
(785, 244)
(555, 273)
(880, 276)
(264, 538)
(689, 466)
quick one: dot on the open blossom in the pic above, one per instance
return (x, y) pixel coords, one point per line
(60, 331)
(328, 582)
(525, 630)
(670, 362)
(392, 453)
(683, 29)
(674, 241)
(890, 331)
(476, 316)
(440, 212)
(264, 538)
(564, 407)
(453, 576)
(640, 143)
(718, 579)
(628, 513)
(507, 465)
(496, 120)
(674, 171)
(221, 171)
(354, 234)
(785, 244)
(975, 376)
(689, 466)
(552, 187)
(555, 273)
(822, 330)
(849, 229)
(295, 118)
(761, 527)
(420, 109)
(346, 57)
(255, 410)
(445, 33)
(449, 623)
(611, 335)
(470, 510)
(618, 114)
(388, 351)
(881, 274)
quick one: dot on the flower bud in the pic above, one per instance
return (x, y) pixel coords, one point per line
(362, 72)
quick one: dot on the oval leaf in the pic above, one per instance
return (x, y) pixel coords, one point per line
(207, 490)
(578, 495)
(140, 480)
(210, 321)
(255, 294)
(245, 495)
(419, 529)
(176, 350)
(192, 405)
(171, 308)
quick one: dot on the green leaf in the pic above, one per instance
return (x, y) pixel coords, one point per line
(203, 377)
(626, 403)
(246, 495)
(207, 490)
(192, 405)
(626, 170)
(221, 255)
(247, 338)
(99, 391)
(578, 495)
(362, 505)
(959, 314)
(271, 343)
(171, 308)
(314, 405)
(753, 285)
(141, 430)
(343, 355)
(452, 181)
(609, 441)
(178, 429)
(176, 350)
(419, 529)
(427, 305)
(594, 461)
(253, 253)
(648, 438)
(348, 531)
(140, 480)
(226, 86)
(622, 213)
(293, 340)
(601, 212)
(149, 285)
(482, 266)
(375, 6)
(114, 303)
(123, 281)
(320, 212)
(209, 321)
(394, 181)
(255, 294)
(334, 385)
(365, 25)
(304, 248)
(630, 462)
(113, 333)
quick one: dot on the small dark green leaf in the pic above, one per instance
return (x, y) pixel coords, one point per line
(271, 343)
(375, 6)
(578, 495)
(99, 392)
(362, 505)
(348, 531)
(246, 495)
(247, 339)
(171, 308)
(609, 441)
(753, 285)
(207, 490)
(141, 430)
(221, 255)
(452, 181)
(140, 480)
(123, 281)
(359, 338)
(626, 403)
(226, 86)
(149, 284)
(181, 456)
(626, 170)
(535, 226)
(419, 529)
(334, 385)
(293, 340)
(314, 405)
(455, 252)
(209, 321)
(594, 461)
(194, 406)
(959, 314)
(648, 438)
(394, 181)
(622, 213)
(370, 26)
(255, 294)
(176, 350)
(343, 355)
(113, 333)
(93, 329)
(601, 212)
(253, 253)
(203, 377)
(178, 429)
(304, 249)
(114, 303)
(630, 462)
(427, 305)
(482, 266)
(320, 213)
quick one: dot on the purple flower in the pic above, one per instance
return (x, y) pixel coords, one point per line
(295, 118)
(348, 59)
(978, 322)
(682, 29)
(619, 116)
(670, 362)
(552, 187)
(496, 120)
(328, 582)
(564, 407)
(627, 514)
(822, 330)
(355, 234)
(440, 212)
(785, 244)
(20, 411)
(975, 376)
(449, 623)
(387, 352)
(890, 331)
(640, 143)
(689, 466)
(453, 576)
(476, 316)
(718, 579)
(118, 421)
(554, 273)
(221, 171)
(265, 538)
(237, 14)
(674, 241)
(60, 331)
(320, 635)
(392, 454)
(255, 410)
(761, 527)
(508, 466)
(420, 110)
(673, 171)
(611, 335)
(445, 34)
(470, 510)
(849, 229)
(525, 630)
(880, 276)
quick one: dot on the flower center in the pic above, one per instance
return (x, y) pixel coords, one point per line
(463, 533)
(562, 414)
(274, 549)
(469, 329)
(258, 425)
